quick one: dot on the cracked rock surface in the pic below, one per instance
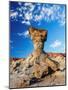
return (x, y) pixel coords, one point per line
(39, 68)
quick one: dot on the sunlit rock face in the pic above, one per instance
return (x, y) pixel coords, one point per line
(38, 65)
(38, 37)
(38, 55)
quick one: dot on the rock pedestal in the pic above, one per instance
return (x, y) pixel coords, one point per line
(38, 37)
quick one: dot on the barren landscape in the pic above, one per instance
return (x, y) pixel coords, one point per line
(39, 68)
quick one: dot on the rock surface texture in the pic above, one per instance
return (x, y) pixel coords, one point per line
(39, 68)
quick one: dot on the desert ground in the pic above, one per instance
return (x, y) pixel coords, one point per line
(51, 79)
(39, 68)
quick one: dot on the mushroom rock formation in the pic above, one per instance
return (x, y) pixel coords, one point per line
(39, 59)
(38, 37)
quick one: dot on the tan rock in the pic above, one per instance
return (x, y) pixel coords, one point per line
(36, 64)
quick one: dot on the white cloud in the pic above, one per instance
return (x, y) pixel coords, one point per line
(19, 34)
(28, 16)
(20, 15)
(26, 22)
(27, 12)
(61, 18)
(25, 34)
(38, 17)
(27, 4)
(56, 44)
(19, 3)
(30, 5)
(52, 13)
(13, 14)
(19, 9)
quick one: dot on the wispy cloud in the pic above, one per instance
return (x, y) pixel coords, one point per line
(56, 44)
(11, 41)
(25, 34)
(30, 5)
(13, 14)
(28, 16)
(38, 12)
(19, 3)
(26, 22)
(53, 13)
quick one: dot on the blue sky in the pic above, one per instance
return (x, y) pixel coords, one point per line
(50, 17)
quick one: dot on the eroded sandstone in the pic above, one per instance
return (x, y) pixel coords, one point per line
(38, 65)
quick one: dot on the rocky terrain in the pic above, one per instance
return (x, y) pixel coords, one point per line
(39, 68)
